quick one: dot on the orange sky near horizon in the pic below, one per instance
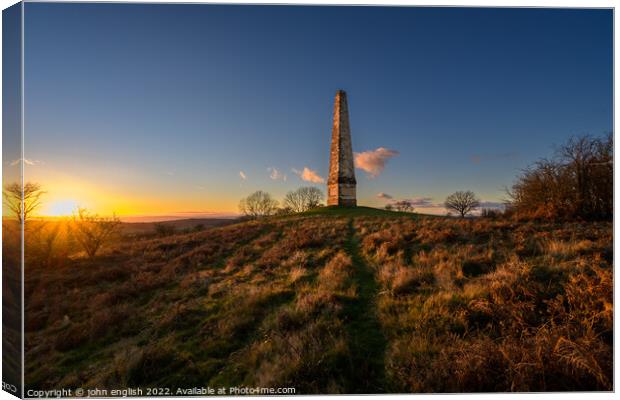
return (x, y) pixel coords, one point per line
(129, 193)
(64, 193)
(63, 198)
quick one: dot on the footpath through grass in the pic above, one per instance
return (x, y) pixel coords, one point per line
(367, 342)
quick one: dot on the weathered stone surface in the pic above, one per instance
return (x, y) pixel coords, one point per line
(341, 183)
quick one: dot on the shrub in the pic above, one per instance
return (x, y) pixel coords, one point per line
(576, 183)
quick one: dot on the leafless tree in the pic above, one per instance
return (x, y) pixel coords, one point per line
(303, 199)
(92, 231)
(312, 196)
(32, 193)
(294, 201)
(258, 204)
(576, 183)
(403, 205)
(463, 202)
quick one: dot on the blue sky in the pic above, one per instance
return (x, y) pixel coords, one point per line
(151, 109)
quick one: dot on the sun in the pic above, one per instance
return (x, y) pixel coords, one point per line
(62, 208)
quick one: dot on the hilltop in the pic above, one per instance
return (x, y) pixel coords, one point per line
(334, 300)
(359, 211)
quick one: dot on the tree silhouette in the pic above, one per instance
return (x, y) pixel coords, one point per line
(463, 202)
(258, 204)
(303, 199)
(403, 205)
(576, 183)
(92, 231)
(22, 210)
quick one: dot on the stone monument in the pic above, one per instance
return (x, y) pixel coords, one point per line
(341, 182)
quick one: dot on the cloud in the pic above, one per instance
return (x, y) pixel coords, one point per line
(384, 196)
(309, 175)
(373, 161)
(275, 174)
(421, 202)
(26, 161)
(243, 175)
(424, 202)
(492, 204)
(170, 173)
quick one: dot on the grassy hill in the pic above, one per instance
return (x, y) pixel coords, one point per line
(333, 301)
(179, 225)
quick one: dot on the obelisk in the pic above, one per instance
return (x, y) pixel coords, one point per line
(341, 182)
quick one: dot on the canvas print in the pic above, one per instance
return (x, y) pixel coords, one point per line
(292, 200)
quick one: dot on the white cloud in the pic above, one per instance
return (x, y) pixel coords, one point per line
(275, 174)
(424, 202)
(384, 196)
(26, 161)
(243, 175)
(373, 161)
(309, 175)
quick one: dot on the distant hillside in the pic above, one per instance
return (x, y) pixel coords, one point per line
(333, 301)
(177, 224)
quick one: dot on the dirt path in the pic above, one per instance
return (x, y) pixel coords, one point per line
(366, 339)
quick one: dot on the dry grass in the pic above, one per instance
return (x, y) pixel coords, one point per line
(494, 306)
(463, 305)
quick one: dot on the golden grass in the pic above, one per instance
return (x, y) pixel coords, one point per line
(504, 306)
(462, 305)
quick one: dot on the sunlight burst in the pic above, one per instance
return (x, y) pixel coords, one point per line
(62, 208)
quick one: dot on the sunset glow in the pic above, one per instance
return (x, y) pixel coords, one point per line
(61, 208)
(221, 130)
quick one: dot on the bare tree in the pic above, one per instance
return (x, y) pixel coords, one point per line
(312, 196)
(303, 199)
(258, 204)
(403, 205)
(463, 202)
(92, 231)
(576, 183)
(294, 201)
(32, 193)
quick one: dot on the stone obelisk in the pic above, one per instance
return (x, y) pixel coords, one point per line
(341, 182)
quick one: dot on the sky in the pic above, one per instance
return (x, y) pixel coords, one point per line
(185, 109)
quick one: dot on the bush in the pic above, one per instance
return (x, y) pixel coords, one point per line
(576, 184)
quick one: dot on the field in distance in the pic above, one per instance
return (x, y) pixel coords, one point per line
(332, 301)
(179, 225)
